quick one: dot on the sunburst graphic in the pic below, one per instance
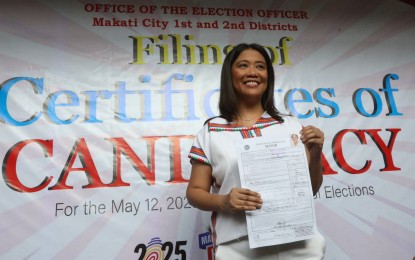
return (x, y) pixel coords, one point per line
(154, 251)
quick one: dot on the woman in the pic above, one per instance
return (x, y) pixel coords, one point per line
(294, 138)
(246, 105)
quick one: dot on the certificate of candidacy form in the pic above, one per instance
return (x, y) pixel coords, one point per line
(278, 170)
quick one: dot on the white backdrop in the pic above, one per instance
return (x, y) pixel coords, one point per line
(99, 103)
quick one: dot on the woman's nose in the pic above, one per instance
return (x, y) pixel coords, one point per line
(252, 71)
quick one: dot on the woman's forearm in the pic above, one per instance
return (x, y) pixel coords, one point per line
(316, 169)
(203, 200)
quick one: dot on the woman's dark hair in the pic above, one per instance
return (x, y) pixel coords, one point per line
(227, 99)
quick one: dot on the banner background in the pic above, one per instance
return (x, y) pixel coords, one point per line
(111, 99)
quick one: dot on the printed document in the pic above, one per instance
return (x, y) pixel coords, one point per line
(278, 170)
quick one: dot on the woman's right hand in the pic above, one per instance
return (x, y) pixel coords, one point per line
(241, 199)
(199, 196)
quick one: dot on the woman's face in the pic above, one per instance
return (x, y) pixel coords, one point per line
(294, 137)
(249, 75)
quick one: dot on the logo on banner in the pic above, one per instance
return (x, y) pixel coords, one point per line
(156, 249)
(205, 242)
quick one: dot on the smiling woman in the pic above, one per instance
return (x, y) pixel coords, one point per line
(247, 111)
(256, 69)
(249, 79)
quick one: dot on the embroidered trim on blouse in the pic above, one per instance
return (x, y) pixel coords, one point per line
(261, 123)
(198, 155)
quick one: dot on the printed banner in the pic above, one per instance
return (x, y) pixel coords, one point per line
(100, 101)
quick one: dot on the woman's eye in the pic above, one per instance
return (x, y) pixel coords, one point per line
(243, 65)
(261, 67)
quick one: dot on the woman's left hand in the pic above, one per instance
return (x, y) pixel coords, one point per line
(313, 139)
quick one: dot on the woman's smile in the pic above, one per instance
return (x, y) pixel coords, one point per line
(249, 74)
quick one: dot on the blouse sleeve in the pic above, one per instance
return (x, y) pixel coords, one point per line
(200, 147)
